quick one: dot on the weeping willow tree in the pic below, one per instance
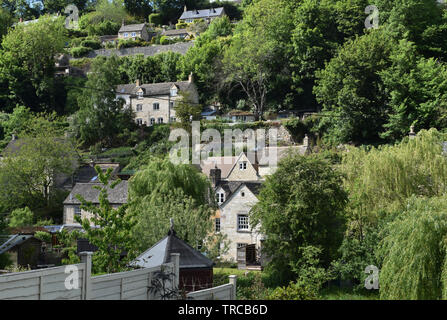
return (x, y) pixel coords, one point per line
(379, 182)
(161, 191)
(383, 178)
(414, 252)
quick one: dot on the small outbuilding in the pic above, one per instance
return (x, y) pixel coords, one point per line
(196, 270)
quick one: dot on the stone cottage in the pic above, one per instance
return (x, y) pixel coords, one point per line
(155, 103)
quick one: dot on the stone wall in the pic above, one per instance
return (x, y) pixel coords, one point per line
(179, 47)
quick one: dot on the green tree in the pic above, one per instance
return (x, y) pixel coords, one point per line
(27, 63)
(109, 229)
(414, 252)
(29, 171)
(22, 217)
(417, 92)
(5, 22)
(102, 117)
(300, 205)
(186, 110)
(351, 91)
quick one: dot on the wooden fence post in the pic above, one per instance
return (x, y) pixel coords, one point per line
(233, 279)
(86, 257)
(175, 258)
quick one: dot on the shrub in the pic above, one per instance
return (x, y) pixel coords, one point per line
(21, 217)
(293, 291)
(164, 40)
(43, 236)
(155, 19)
(93, 44)
(78, 52)
(181, 25)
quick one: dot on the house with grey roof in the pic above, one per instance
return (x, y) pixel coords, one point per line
(155, 103)
(208, 15)
(236, 184)
(134, 31)
(72, 206)
(176, 33)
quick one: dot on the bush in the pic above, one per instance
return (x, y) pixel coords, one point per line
(181, 25)
(131, 43)
(155, 19)
(293, 291)
(93, 44)
(21, 217)
(78, 52)
(164, 40)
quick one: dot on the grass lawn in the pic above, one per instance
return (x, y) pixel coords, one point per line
(335, 293)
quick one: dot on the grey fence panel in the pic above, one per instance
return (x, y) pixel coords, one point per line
(223, 292)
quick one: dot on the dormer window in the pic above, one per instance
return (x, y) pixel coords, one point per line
(243, 165)
(173, 92)
(140, 94)
(220, 197)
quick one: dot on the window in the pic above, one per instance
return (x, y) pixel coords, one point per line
(217, 224)
(220, 197)
(173, 119)
(134, 34)
(139, 107)
(242, 222)
(126, 35)
(243, 165)
(156, 106)
(171, 104)
(240, 245)
(242, 194)
(173, 92)
(152, 121)
(77, 210)
(139, 121)
(160, 120)
(140, 95)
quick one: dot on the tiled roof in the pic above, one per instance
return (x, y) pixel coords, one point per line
(281, 152)
(152, 89)
(225, 164)
(231, 187)
(132, 27)
(161, 253)
(117, 195)
(205, 13)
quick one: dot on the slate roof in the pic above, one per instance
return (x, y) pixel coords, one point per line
(132, 27)
(174, 32)
(161, 253)
(200, 14)
(152, 89)
(231, 187)
(281, 152)
(118, 195)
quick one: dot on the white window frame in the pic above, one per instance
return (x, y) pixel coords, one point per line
(126, 35)
(160, 120)
(139, 121)
(173, 92)
(220, 197)
(152, 121)
(173, 119)
(242, 222)
(140, 95)
(243, 165)
(134, 34)
(156, 104)
(77, 211)
(139, 107)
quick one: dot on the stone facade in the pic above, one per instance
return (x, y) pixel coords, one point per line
(243, 170)
(240, 203)
(134, 31)
(156, 103)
